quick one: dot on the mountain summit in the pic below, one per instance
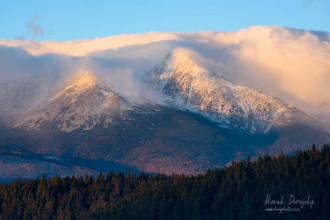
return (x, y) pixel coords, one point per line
(81, 104)
(187, 86)
(207, 122)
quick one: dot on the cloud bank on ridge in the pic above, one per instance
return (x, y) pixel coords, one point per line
(290, 64)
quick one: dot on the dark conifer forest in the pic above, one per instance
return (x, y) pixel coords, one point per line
(272, 187)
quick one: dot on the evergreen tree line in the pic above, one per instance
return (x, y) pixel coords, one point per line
(238, 191)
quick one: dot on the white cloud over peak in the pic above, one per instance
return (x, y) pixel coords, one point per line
(83, 47)
(289, 64)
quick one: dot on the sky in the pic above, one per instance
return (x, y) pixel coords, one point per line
(88, 19)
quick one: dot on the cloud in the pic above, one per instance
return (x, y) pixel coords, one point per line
(36, 28)
(26, 81)
(20, 37)
(289, 64)
(84, 47)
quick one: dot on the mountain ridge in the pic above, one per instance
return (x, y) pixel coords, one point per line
(188, 86)
(88, 120)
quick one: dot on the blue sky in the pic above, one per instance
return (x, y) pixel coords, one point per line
(88, 19)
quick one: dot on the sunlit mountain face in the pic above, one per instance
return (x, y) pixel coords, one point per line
(159, 102)
(81, 104)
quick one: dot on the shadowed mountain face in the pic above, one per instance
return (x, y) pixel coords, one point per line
(89, 126)
(156, 138)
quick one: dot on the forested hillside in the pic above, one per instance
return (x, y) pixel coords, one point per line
(277, 187)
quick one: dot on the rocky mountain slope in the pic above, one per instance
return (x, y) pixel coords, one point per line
(187, 86)
(81, 104)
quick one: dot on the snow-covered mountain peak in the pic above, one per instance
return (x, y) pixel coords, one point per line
(181, 60)
(86, 79)
(84, 103)
(82, 82)
(187, 86)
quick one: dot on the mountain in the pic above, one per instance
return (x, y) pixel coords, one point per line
(286, 63)
(187, 86)
(81, 104)
(88, 127)
(195, 114)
